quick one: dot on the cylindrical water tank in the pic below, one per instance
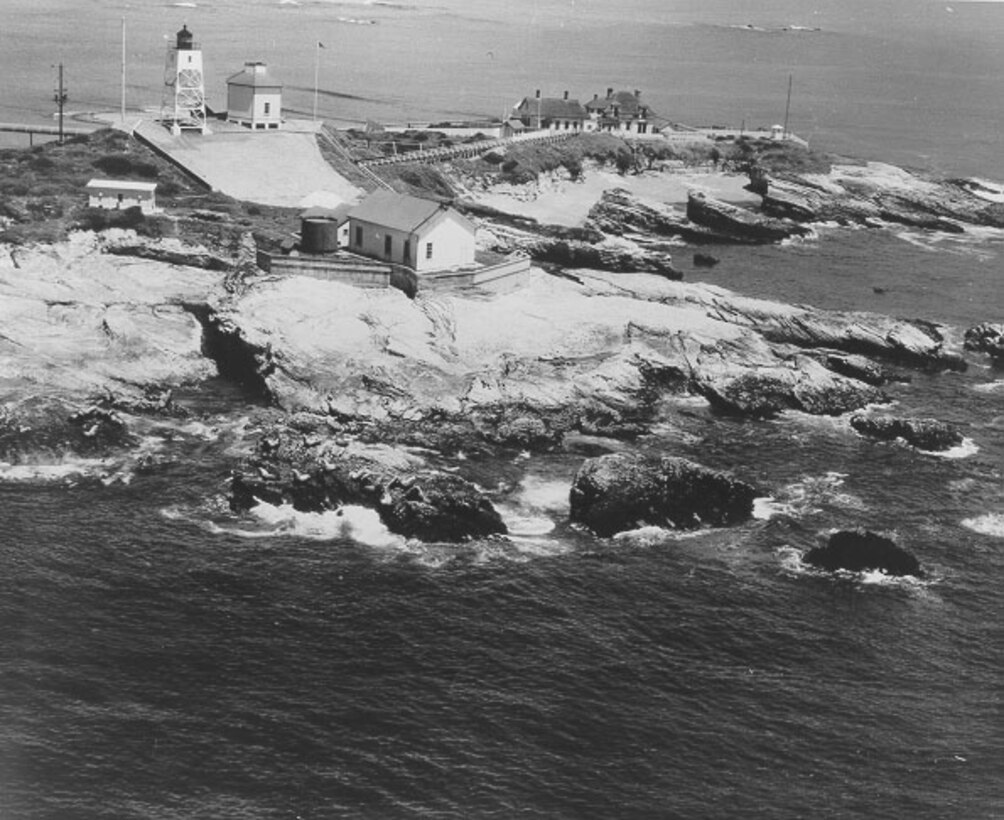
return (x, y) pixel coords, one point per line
(318, 235)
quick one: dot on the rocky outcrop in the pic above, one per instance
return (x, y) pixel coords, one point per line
(911, 343)
(924, 434)
(618, 492)
(77, 322)
(874, 193)
(863, 551)
(739, 223)
(855, 367)
(171, 256)
(619, 213)
(568, 252)
(302, 463)
(763, 394)
(986, 338)
(47, 429)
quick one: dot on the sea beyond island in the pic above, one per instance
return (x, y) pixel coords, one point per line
(598, 541)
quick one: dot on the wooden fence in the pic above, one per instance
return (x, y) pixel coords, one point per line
(364, 273)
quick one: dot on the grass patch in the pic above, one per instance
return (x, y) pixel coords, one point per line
(43, 196)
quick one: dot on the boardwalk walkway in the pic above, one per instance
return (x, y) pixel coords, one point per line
(470, 149)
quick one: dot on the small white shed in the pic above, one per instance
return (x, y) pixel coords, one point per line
(118, 194)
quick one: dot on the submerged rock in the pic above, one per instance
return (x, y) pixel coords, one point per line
(924, 434)
(863, 551)
(618, 492)
(988, 338)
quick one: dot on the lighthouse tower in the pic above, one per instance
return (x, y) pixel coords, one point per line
(185, 88)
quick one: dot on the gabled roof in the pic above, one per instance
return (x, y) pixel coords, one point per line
(628, 103)
(400, 212)
(120, 185)
(552, 108)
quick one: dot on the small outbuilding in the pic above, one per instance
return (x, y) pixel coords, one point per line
(254, 98)
(323, 230)
(419, 233)
(119, 194)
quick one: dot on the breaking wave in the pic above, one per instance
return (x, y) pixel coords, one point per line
(989, 524)
(359, 524)
(808, 496)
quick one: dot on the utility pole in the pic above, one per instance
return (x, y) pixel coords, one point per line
(60, 99)
(787, 109)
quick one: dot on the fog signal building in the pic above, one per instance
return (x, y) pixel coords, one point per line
(254, 98)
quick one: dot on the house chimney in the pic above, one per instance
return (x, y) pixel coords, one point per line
(566, 96)
(538, 94)
(596, 96)
(610, 92)
(637, 93)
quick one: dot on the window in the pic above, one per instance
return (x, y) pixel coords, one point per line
(407, 251)
(359, 237)
(428, 250)
(268, 108)
(386, 246)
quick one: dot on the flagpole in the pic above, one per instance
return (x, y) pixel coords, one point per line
(123, 70)
(317, 71)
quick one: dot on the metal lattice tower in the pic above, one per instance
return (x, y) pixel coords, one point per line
(184, 105)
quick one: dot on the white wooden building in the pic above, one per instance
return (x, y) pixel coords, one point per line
(254, 98)
(418, 233)
(118, 194)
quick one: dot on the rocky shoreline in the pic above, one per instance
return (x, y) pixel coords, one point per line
(373, 394)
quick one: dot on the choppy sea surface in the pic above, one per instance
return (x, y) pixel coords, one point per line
(161, 658)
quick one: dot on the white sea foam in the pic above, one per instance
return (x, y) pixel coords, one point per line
(50, 472)
(767, 507)
(990, 387)
(988, 524)
(360, 524)
(806, 496)
(539, 547)
(524, 525)
(967, 448)
(542, 493)
(651, 536)
(646, 536)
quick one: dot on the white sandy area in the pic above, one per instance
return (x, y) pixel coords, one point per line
(283, 167)
(563, 202)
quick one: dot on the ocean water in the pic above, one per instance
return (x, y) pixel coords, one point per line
(161, 658)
